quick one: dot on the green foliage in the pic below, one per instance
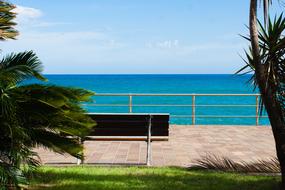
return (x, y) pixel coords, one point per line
(272, 56)
(36, 115)
(18, 67)
(7, 24)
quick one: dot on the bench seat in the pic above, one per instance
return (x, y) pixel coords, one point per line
(126, 138)
(130, 124)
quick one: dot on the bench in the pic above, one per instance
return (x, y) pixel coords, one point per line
(130, 127)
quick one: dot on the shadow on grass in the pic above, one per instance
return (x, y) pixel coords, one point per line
(88, 178)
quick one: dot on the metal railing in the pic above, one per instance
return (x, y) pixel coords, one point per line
(130, 104)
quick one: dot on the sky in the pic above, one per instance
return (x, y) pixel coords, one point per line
(133, 36)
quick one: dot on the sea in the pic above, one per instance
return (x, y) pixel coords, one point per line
(206, 112)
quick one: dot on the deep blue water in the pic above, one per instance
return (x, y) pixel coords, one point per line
(169, 84)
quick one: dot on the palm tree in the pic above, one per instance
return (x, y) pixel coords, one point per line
(7, 30)
(265, 74)
(36, 115)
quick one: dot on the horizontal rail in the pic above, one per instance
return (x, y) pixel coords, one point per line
(168, 105)
(216, 116)
(130, 104)
(150, 94)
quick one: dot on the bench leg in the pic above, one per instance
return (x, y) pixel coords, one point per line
(148, 154)
(80, 161)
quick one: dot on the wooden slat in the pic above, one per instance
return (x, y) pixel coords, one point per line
(125, 138)
(127, 132)
(129, 124)
(128, 117)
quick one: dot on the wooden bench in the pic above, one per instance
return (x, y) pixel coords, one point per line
(130, 127)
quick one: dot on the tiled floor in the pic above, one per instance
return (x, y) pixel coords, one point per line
(186, 143)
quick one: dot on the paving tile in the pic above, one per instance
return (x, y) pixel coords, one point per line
(186, 144)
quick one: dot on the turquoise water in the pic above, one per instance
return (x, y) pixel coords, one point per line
(170, 84)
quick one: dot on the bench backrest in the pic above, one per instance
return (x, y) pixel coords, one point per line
(129, 124)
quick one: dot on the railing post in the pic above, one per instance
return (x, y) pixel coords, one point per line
(148, 154)
(130, 103)
(193, 109)
(257, 110)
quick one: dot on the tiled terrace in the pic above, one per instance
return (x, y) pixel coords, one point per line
(186, 143)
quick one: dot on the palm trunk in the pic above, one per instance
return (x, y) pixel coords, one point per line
(277, 124)
(268, 96)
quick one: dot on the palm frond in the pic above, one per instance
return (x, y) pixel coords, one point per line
(7, 30)
(51, 114)
(212, 162)
(272, 56)
(17, 67)
(59, 143)
(36, 115)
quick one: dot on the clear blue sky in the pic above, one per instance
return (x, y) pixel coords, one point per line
(133, 36)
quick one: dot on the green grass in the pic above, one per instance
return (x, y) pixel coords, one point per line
(88, 177)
